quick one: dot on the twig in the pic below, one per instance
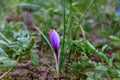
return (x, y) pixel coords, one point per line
(4, 74)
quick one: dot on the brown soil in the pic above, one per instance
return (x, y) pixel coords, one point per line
(26, 71)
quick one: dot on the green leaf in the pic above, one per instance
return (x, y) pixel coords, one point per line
(114, 39)
(31, 44)
(35, 59)
(3, 42)
(90, 75)
(100, 70)
(90, 47)
(28, 6)
(2, 67)
(3, 53)
(15, 45)
(10, 63)
(100, 67)
(104, 48)
(2, 58)
(4, 38)
(23, 40)
(104, 57)
(5, 61)
(117, 56)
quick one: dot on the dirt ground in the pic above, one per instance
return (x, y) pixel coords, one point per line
(26, 71)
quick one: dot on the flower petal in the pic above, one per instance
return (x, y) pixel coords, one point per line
(54, 40)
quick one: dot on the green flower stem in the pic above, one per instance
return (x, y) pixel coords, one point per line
(57, 65)
(44, 37)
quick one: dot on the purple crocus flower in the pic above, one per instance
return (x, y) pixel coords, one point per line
(55, 41)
